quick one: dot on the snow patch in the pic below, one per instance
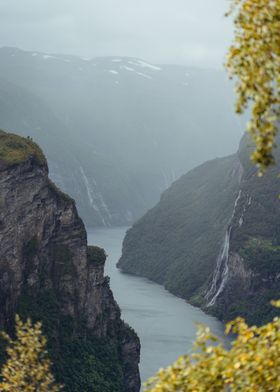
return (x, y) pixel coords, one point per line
(138, 73)
(147, 65)
(128, 68)
(34, 54)
(116, 61)
(48, 56)
(112, 71)
(144, 75)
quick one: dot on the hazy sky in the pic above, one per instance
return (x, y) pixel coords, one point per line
(192, 32)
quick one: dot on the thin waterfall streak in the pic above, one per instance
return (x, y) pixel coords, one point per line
(221, 271)
(94, 202)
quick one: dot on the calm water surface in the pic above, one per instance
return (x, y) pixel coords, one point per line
(164, 323)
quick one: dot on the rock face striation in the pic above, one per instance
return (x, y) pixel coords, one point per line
(48, 272)
(214, 239)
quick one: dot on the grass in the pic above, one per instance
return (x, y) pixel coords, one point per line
(15, 149)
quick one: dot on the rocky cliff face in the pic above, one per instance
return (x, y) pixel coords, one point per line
(48, 272)
(214, 239)
(250, 275)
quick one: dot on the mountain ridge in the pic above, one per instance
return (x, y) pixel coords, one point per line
(217, 225)
(96, 126)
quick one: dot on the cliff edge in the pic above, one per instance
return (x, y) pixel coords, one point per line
(48, 273)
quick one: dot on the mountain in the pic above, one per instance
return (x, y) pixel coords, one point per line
(48, 273)
(117, 131)
(213, 238)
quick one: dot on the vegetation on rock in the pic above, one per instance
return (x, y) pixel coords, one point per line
(81, 363)
(49, 277)
(252, 364)
(80, 360)
(28, 368)
(96, 255)
(177, 242)
(15, 150)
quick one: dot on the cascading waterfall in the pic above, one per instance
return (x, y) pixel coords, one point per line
(96, 200)
(246, 205)
(221, 271)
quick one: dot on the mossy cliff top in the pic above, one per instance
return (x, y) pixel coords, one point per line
(15, 149)
(96, 255)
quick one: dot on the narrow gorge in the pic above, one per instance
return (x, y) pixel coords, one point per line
(214, 239)
(48, 273)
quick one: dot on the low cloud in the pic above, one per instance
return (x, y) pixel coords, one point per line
(163, 31)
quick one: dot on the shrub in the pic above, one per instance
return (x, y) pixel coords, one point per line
(252, 363)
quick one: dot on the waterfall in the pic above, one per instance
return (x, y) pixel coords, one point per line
(221, 271)
(246, 205)
(96, 200)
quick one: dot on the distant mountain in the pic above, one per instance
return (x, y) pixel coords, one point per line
(116, 131)
(214, 239)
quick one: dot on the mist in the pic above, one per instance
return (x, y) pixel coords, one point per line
(131, 106)
(161, 31)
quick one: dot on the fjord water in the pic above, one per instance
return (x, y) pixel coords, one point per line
(164, 323)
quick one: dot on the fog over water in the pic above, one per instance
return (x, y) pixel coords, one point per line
(164, 323)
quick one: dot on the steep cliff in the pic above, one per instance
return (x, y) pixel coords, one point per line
(249, 276)
(214, 239)
(48, 272)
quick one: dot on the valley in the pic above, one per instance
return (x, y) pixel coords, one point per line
(166, 325)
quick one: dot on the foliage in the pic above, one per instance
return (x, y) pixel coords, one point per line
(262, 256)
(88, 364)
(15, 149)
(81, 361)
(177, 242)
(254, 59)
(59, 193)
(252, 363)
(28, 368)
(96, 255)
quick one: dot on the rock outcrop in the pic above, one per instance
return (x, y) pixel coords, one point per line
(48, 272)
(214, 239)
